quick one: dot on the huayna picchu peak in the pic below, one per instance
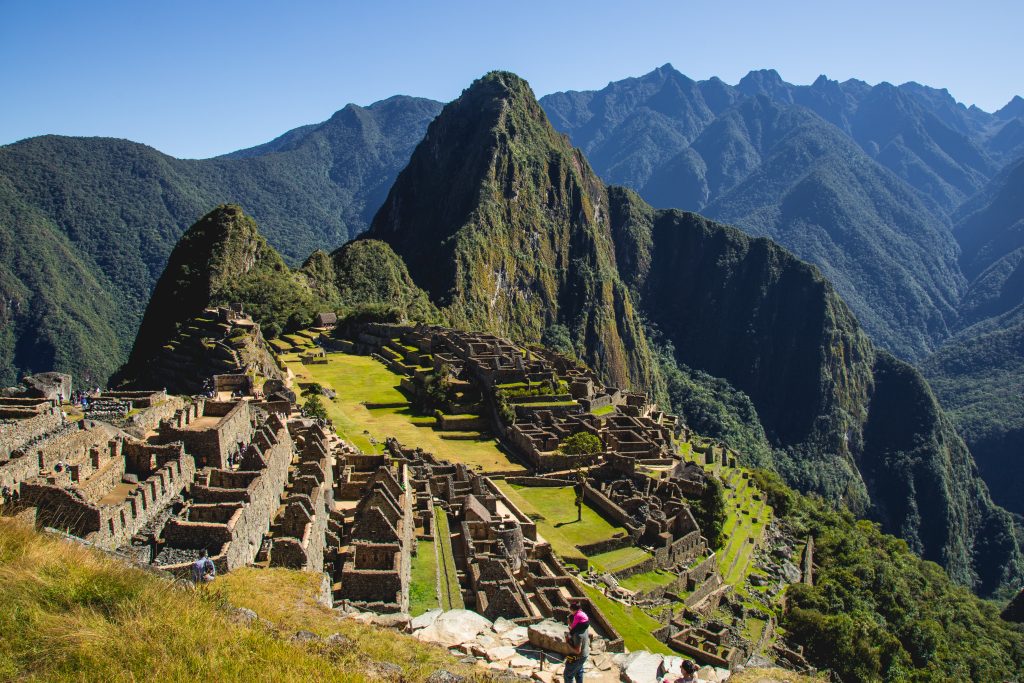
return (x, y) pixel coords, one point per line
(528, 418)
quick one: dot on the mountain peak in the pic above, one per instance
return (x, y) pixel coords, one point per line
(1013, 109)
(765, 82)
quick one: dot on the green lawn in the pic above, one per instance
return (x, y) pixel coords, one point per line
(558, 506)
(615, 560)
(632, 623)
(359, 380)
(604, 410)
(423, 584)
(648, 580)
(451, 593)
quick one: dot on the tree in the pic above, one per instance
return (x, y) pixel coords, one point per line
(709, 511)
(581, 443)
(314, 408)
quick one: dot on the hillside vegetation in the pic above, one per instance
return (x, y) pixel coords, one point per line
(528, 243)
(877, 611)
(91, 222)
(73, 614)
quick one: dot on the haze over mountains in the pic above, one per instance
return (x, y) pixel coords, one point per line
(866, 182)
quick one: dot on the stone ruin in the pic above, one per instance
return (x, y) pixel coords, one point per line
(485, 366)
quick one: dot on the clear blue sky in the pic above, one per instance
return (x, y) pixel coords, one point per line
(195, 79)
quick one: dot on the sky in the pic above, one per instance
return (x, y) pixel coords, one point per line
(197, 79)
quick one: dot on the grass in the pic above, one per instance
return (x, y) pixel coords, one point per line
(635, 627)
(74, 614)
(423, 583)
(603, 410)
(360, 380)
(648, 580)
(616, 560)
(451, 593)
(557, 504)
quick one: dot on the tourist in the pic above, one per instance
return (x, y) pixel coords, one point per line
(203, 569)
(579, 642)
(689, 674)
(578, 619)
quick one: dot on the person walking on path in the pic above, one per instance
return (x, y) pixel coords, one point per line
(203, 569)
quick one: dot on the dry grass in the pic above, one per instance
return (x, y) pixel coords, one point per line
(74, 614)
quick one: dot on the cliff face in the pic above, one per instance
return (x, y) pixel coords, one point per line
(505, 225)
(507, 229)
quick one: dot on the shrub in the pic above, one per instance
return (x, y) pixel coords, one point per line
(581, 443)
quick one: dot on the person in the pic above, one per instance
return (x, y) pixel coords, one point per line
(578, 619)
(203, 569)
(689, 674)
(579, 642)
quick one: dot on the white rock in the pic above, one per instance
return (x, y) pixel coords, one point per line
(645, 668)
(503, 625)
(550, 635)
(543, 676)
(398, 620)
(516, 636)
(521, 662)
(424, 620)
(455, 627)
(497, 654)
(673, 665)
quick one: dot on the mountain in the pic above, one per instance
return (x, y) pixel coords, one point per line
(94, 220)
(222, 259)
(979, 372)
(860, 180)
(508, 229)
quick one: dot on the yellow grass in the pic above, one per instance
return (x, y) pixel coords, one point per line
(74, 614)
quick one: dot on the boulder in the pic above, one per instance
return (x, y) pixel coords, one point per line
(790, 572)
(455, 627)
(498, 654)
(550, 635)
(543, 676)
(398, 620)
(424, 620)
(243, 615)
(384, 671)
(304, 636)
(442, 676)
(49, 385)
(646, 667)
(516, 636)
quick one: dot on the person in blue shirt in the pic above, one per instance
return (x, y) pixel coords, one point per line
(203, 569)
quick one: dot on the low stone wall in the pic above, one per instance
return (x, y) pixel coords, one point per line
(149, 419)
(14, 434)
(606, 545)
(540, 481)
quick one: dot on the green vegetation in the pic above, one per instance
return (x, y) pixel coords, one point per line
(635, 626)
(73, 614)
(556, 505)
(711, 511)
(648, 580)
(617, 560)
(423, 581)
(451, 593)
(87, 224)
(879, 612)
(314, 407)
(581, 443)
(369, 404)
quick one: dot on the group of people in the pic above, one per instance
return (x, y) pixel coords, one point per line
(578, 640)
(80, 398)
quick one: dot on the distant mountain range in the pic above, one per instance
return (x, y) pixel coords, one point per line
(87, 224)
(879, 186)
